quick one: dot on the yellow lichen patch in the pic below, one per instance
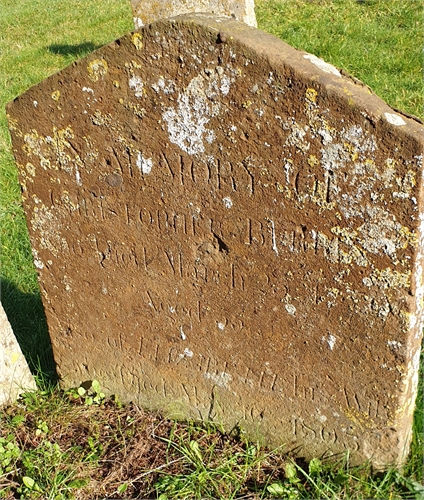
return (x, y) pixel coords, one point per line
(116, 84)
(45, 163)
(388, 278)
(351, 150)
(133, 65)
(136, 65)
(288, 193)
(312, 160)
(137, 40)
(34, 144)
(14, 125)
(359, 418)
(319, 196)
(100, 119)
(30, 169)
(346, 235)
(405, 184)
(14, 357)
(57, 150)
(72, 205)
(370, 166)
(408, 237)
(407, 318)
(96, 69)
(56, 95)
(354, 255)
(135, 108)
(311, 95)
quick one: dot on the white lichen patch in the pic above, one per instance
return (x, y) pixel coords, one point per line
(228, 202)
(382, 234)
(55, 152)
(188, 353)
(37, 261)
(388, 278)
(395, 119)
(273, 237)
(350, 182)
(67, 283)
(332, 294)
(165, 86)
(138, 23)
(331, 340)
(182, 334)
(77, 176)
(145, 165)
(405, 185)
(136, 85)
(225, 85)
(290, 308)
(220, 379)
(46, 228)
(197, 104)
(322, 65)
(348, 161)
(394, 344)
(97, 69)
(417, 318)
(30, 169)
(297, 136)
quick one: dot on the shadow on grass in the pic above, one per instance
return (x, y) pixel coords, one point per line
(75, 51)
(26, 316)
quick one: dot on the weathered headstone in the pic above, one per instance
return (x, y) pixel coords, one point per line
(147, 11)
(15, 376)
(227, 228)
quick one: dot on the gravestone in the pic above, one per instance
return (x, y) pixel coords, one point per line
(228, 229)
(146, 12)
(15, 376)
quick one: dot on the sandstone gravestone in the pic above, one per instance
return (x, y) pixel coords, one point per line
(229, 229)
(147, 11)
(15, 376)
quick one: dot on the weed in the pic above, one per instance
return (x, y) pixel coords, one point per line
(90, 395)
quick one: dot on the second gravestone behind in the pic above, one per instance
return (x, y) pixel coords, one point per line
(228, 229)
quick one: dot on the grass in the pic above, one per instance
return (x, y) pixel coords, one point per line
(76, 444)
(371, 39)
(37, 39)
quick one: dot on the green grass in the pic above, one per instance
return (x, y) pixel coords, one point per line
(37, 39)
(57, 445)
(77, 444)
(377, 41)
